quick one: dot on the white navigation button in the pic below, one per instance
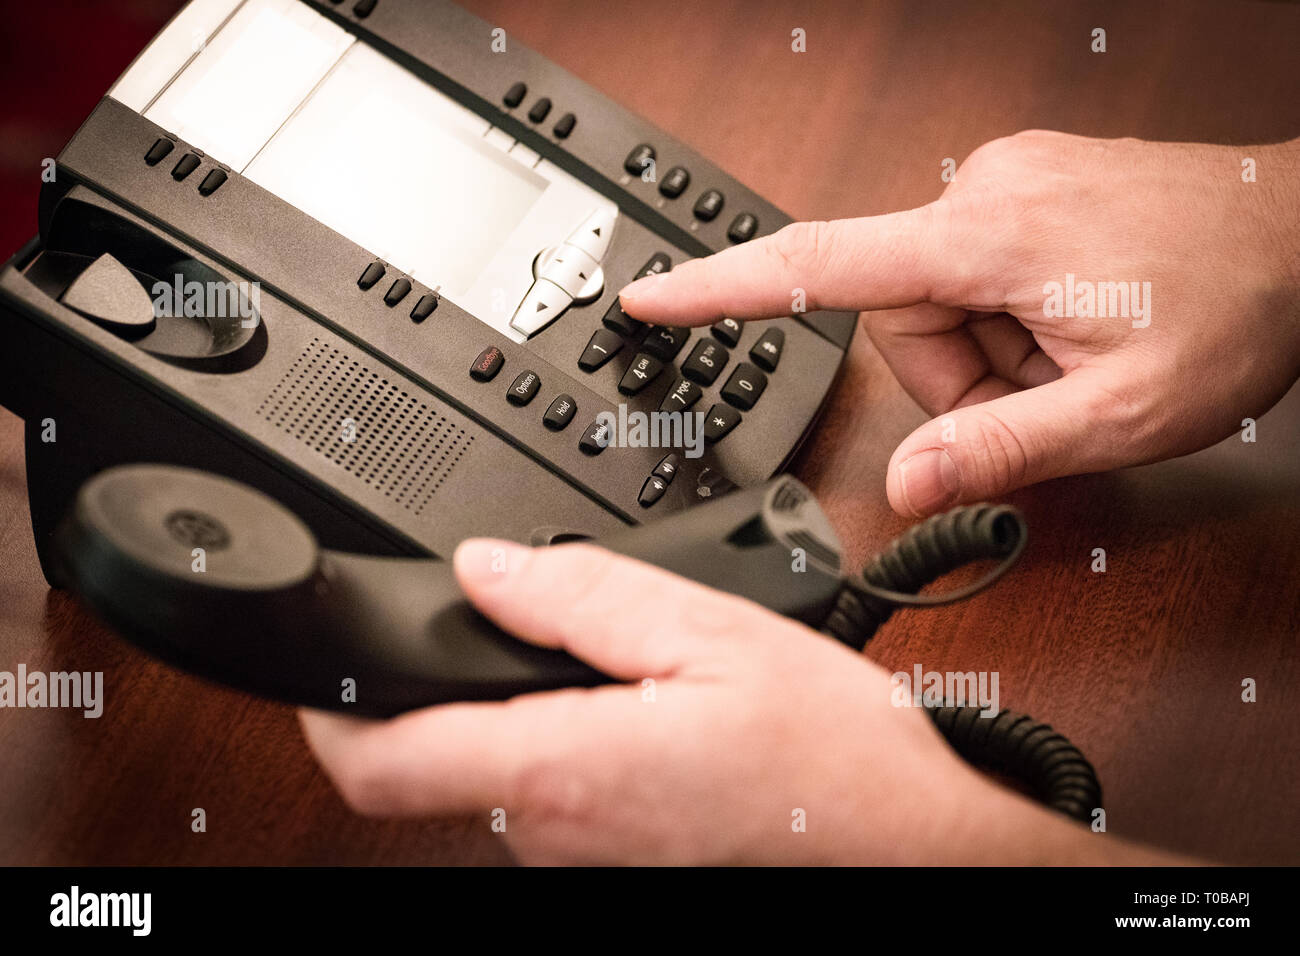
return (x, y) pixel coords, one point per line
(542, 305)
(593, 236)
(572, 270)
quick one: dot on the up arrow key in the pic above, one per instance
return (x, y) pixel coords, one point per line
(593, 235)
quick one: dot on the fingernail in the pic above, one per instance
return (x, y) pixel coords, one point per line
(642, 285)
(489, 562)
(930, 481)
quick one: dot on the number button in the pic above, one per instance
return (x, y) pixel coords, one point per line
(705, 362)
(640, 373)
(682, 396)
(744, 386)
(604, 345)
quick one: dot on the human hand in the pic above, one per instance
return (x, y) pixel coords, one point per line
(1020, 394)
(747, 721)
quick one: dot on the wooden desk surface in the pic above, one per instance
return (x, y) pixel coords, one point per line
(1142, 666)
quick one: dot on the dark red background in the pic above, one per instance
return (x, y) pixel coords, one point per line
(56, 60)
(1140, 666)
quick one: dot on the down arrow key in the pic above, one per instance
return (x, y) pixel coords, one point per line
(543, 304)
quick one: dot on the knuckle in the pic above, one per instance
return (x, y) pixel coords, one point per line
(1038, 137)
(549, 789)
(589, 577)
(991, 153)
(1002, 460)
(979, 225)
(800, 248)
(367, 783)
(1120, 408)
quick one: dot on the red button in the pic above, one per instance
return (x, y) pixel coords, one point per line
(487, 364)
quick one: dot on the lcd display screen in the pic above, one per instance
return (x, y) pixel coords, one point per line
(383, 158)
(359, 143)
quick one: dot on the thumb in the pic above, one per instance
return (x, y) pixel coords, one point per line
(626, 618)
(1065, 427)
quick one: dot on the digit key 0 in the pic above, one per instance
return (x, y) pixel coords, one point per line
(744, 386)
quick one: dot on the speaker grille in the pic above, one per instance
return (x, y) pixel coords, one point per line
(365, 424)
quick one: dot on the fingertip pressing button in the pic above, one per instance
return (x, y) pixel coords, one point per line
(727, 332)
(620, 321)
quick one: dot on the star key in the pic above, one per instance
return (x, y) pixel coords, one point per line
(719, 422)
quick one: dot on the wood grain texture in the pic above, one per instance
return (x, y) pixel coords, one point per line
(1141, 666)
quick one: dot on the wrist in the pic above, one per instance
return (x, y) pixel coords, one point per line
(1008, 829)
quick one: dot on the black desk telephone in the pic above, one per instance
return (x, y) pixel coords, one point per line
(362, 258)
(365, 257)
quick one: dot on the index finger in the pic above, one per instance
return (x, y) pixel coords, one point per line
(456, 758)
(876, 262)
